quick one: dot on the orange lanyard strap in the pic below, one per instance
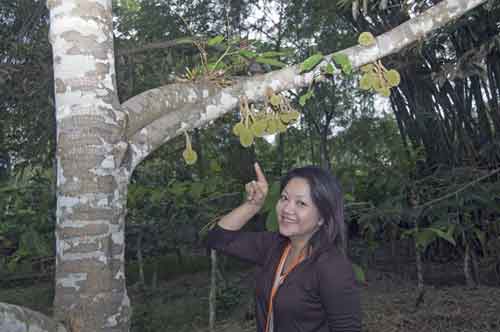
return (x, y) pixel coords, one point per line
(279, 278)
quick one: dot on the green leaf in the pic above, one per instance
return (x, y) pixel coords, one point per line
(330, 69)
(443, 235)
(177, 188)
(272, 221)
(341, 59)
(343, 62)
(311, 62)
(270, 206)
(424, 237)
(197, 189)
(272, 197)
(305, 97)
(185, 40)
(248, 54)
(215, 166)
(273, 54)
(359, 273)
(269, 61)
(215, 40)
(216, 66)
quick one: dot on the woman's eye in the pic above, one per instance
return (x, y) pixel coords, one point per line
(301, 203)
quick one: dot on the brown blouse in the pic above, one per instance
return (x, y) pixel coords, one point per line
(318, 295)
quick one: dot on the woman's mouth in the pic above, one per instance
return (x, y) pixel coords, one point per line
(288, 221)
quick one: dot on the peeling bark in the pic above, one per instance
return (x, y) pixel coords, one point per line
(90, 293)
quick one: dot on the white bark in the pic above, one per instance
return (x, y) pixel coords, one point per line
(18, 319)
(90, 292)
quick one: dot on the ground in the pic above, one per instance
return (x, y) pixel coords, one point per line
(181, 303)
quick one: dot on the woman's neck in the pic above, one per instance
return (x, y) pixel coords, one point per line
(297, 247)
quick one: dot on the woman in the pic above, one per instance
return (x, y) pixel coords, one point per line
(304, 280)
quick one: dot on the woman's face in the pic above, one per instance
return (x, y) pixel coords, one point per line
(298, 216)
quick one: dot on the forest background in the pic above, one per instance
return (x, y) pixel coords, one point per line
(419, 169)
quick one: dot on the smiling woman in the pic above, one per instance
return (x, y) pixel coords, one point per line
(304, 280)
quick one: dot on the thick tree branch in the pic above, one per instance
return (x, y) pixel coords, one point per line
(203, 105)
(20, 319)
(164, 101)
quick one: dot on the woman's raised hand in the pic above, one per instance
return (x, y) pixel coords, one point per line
(256, 195)
(257, 189)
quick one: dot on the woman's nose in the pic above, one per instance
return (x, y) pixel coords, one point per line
(288, 207)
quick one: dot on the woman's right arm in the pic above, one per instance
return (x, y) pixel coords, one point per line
(256, 195)
(226, 237)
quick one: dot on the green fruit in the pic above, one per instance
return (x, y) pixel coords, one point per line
(275, 100)
(237, 128)
(259, 128)
(289, 117)
(392, 77)
(272, 126)
(385, 91)
(367, 68)
(294, 115)
(285, 117)
(246, 137)
(280, 127)
(365, 83)
(366, 39)
(377, 83)
(190, 156)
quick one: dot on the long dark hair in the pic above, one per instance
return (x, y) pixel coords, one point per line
(326, 194)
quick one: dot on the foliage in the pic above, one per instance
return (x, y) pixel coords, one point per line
(27, 125)
(27, 216)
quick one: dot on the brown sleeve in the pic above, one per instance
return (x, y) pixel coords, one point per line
(250, 246)
(339, 293)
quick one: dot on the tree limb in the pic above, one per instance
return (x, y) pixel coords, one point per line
(20, 319)
(205, 104)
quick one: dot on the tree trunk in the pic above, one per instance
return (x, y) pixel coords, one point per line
(154, 277)
(475, 267)
(212, 298)
(90, 293)
(323, 149)
(140, 260)
(469, 279)
(420, 269)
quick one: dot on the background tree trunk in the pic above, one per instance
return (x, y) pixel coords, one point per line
(212, 298)
(140, 259)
